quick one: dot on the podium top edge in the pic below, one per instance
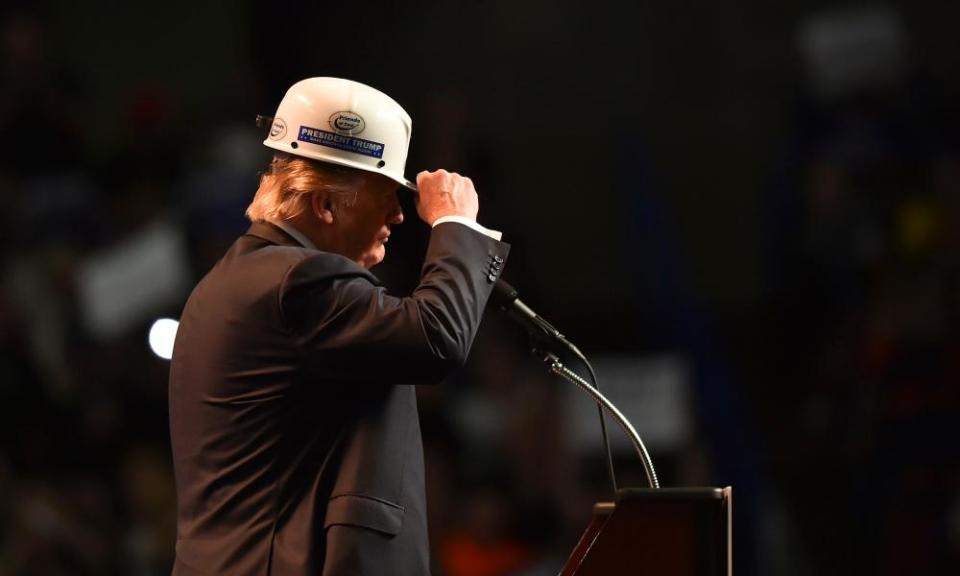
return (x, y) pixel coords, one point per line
(691, 493)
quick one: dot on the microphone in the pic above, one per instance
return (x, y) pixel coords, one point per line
(544, 335)
(507, 298)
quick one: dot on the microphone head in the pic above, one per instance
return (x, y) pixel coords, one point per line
(503, 294)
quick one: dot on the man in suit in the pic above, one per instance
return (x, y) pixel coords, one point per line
(293, 419)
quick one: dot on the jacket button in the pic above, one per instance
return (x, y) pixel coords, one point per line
(492, 277)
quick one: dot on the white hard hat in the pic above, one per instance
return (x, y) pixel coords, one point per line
(343, 122)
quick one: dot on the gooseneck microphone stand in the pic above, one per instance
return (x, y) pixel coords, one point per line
(559, 369)
(664, 531)
(544, 340)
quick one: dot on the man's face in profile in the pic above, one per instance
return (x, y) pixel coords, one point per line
(365, 226)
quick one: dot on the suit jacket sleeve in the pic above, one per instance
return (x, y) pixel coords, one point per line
(348, 328)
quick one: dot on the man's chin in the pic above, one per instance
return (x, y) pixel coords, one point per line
(372, 258)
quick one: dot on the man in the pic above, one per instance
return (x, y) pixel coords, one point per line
(293, 418)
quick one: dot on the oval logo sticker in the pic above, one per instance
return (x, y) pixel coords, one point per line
(278, 129)
(347, 122)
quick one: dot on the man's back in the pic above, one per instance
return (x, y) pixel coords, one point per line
(235, 430)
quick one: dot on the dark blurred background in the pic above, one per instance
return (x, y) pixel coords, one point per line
(744, 215)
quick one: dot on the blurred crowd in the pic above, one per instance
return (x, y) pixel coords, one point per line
(837, 429)
(863, 270)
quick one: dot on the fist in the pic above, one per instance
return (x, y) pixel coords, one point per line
(443, 193)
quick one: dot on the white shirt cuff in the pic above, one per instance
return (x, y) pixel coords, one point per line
(495, 234)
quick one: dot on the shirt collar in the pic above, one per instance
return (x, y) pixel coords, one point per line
(295, 234)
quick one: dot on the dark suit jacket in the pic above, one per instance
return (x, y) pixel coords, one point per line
(292, 404)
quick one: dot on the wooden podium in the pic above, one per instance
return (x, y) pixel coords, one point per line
(658, 532)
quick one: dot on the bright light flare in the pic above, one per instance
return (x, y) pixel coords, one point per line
(162, 334)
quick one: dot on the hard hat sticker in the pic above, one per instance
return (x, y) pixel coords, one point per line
(346, 122)
(278, 129)
(340, 142)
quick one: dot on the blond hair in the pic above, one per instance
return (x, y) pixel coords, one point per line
(286, 187)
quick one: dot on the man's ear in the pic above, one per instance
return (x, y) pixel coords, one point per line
(322, 207)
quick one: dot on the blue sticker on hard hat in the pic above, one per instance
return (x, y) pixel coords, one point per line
(341, 142)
